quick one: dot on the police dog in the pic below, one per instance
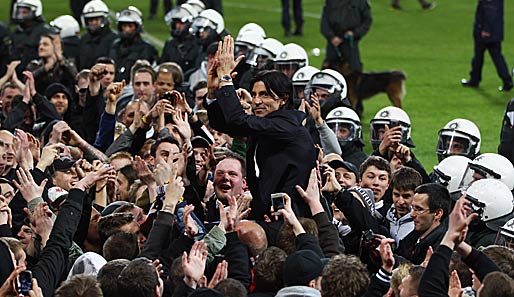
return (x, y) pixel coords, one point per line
(364, 85)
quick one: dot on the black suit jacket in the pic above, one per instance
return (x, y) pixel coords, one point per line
(282, 148)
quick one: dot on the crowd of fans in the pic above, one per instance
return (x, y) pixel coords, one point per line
(204, 172)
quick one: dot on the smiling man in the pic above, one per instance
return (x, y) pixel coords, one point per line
(430, 207)
(59, 96)
(375, 175)
(229, 180)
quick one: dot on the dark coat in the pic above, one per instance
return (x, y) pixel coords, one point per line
(282, 147)
(415, 249)
(25, 44)
(126, 53)
(183, 52)
(489, 18)
(94, 46)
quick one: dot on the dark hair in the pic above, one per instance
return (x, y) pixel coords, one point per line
(79, 286)
(231, 287)
(129, 172)
(276, 83)
(211, 49)
(415, 272)
(121, 245)
(406, 179)
(344, 273)
(268, 269)
(137, 65)
(108, 276)
(176, 273)
(497, 284)
(238, 157)
(105, 60)
(379, 162)
(503, 257)
(199, 85)
(138, 279)
(174, 69)
(286, 238)
(112, 223)
(158, 142)
(146, 69)
(438, 197)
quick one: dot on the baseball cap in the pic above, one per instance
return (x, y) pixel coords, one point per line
(62, 164)
(301, 267)
(346, 165)
(199, 141)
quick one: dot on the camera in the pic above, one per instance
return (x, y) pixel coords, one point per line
(278, 202)
(170, 97)
(24, 282)
(393, 124)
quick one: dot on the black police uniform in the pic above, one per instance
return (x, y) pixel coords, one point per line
(126, 52)
(95, 45)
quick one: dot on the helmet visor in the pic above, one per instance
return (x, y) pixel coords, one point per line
(452, 143)
(179, 14)
(378, 128)
(324, 81)
(476, 172)
(23, 12)
(505, 235)
(201, 24)
(344, 131)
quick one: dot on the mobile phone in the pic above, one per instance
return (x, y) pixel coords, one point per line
(278, 202)
(171, 97)
(25, 282)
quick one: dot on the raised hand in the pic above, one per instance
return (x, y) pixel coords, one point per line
(174, 192)
(220, 274)
(49, 154)
(290, 217)
(189, 222)
(194, 263)
(391, 139)
(331, 184)
(27, 186)
(225, 58)
(91, 179)
(386, 253)
(143, 171)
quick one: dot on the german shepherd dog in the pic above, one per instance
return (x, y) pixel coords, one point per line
(364, 85)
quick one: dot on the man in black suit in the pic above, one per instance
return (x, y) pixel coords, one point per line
(488, 35)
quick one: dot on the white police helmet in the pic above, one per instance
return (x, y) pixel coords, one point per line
(130, 14)
(386, 116)
(491, 199)
(329, 80)
(35, 8)
(506, 234)
(184, 13)
(95, 9)
(267, 50)
(208, 19)
(489, 166)
(247, 40)
(449, 173)
(252, 27)
(345, 123)
(66, 26)
(304, 75)
(458, 137)
(197, 4)
(292, 57)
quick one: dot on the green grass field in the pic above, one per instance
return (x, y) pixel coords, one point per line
(434, 49)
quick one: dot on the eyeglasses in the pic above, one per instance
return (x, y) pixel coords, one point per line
(418, 210)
